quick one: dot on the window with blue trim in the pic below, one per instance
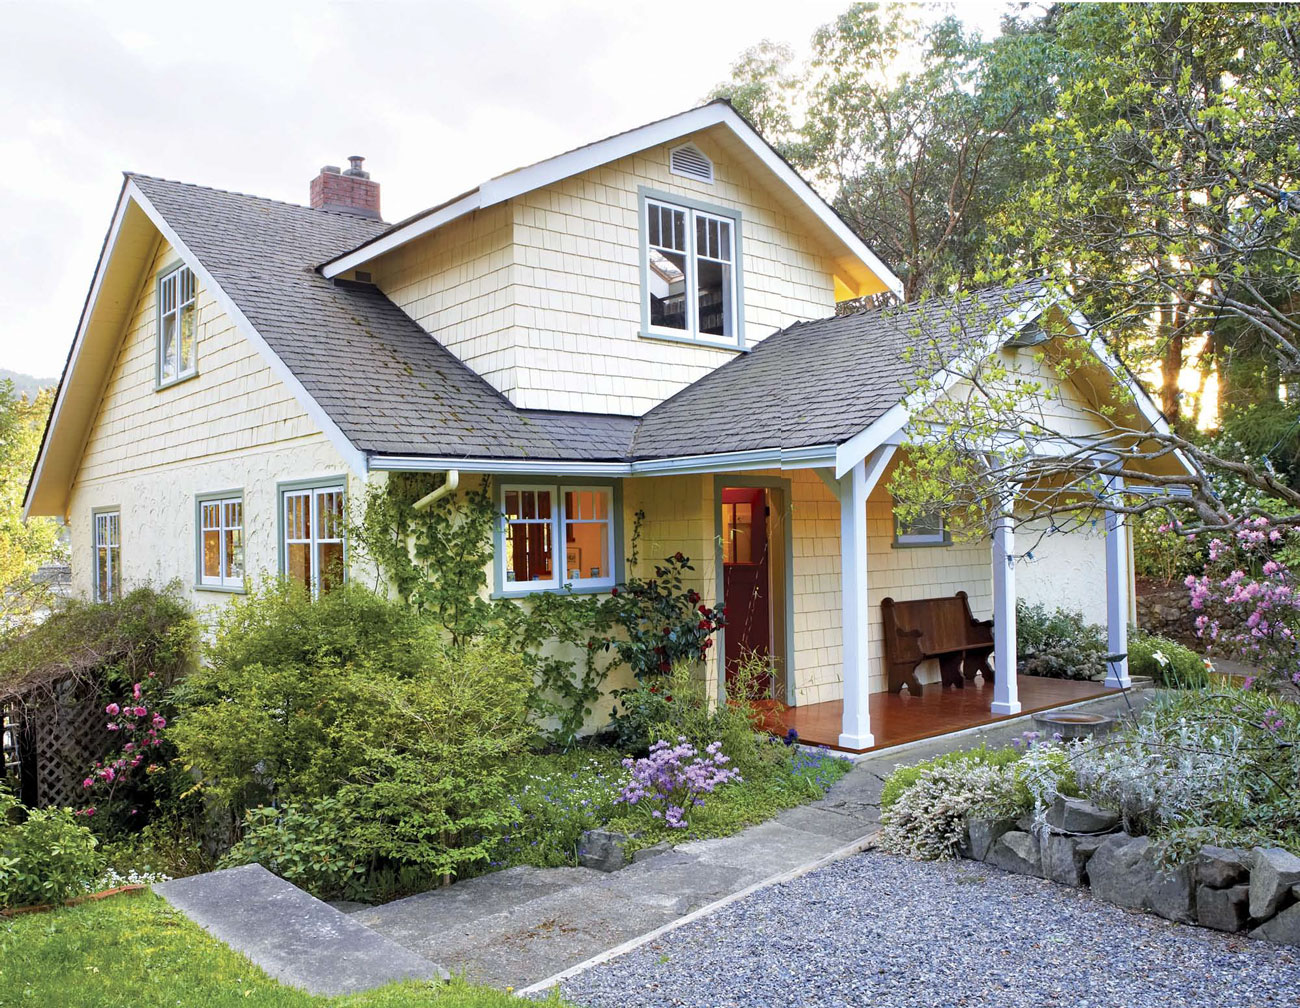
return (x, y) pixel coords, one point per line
(177, 345)
(690, 272)
(556, 535)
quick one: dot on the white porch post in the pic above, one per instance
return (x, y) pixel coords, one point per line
(1006, 690)
(1117, 591)
(855, 730)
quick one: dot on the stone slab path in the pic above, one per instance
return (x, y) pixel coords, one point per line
(291, 935)
(517, 927)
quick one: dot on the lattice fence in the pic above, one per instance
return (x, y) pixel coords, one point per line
(59, 734)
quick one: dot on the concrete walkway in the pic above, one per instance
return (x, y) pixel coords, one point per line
(519, 926)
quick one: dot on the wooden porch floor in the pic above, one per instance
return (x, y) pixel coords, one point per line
(898, 718)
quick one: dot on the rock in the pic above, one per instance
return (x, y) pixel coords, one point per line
(1026, 823)
(1017, 851)
(1284, 928)
(1221, 867)
(1117, 871)
(1171, 892)
(1223, 909)
(602, 850)
(1065, 858)
(1078, 815)
(1272, 875)
(982, 834)
(646, 853)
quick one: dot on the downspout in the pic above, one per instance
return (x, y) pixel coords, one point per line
(449, 485)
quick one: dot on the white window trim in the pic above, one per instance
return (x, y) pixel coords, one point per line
(693, 209)
(557, 521)
(114, 569)
(312, 489)
(192, 367)
(940, 538)
(220, 500)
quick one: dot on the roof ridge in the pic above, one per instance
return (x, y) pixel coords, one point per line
(253, 196)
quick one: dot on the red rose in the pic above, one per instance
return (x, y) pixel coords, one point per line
(704, 609)
(679, 557)
(613, 591)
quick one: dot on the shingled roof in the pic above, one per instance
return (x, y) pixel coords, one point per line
(389, 386)
(393, 389)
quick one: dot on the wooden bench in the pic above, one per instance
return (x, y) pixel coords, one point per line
(941, 628)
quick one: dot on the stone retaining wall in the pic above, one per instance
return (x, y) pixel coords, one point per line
(1166, 610)
(1222, 888)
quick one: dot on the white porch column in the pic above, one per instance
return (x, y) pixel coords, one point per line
(1117, 591)
(855, 732)
(1006, 690)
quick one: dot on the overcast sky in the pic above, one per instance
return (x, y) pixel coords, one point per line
(255, 97)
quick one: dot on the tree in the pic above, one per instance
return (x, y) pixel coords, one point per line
(914, 129)
(24, 545)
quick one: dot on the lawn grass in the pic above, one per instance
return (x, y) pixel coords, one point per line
(137, 952)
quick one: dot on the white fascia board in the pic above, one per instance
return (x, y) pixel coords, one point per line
(353, 457)
(393, 239)
(563, 166)
(764, 458)
(87, 309)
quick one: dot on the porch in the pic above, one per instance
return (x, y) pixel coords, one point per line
(899, 718)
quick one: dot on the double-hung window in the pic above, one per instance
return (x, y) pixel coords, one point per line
(556, 535)
(221, 541)
(177, 347)
(691, 279)
(312, 525)
(108, 555)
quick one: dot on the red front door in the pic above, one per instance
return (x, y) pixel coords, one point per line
(746, 579)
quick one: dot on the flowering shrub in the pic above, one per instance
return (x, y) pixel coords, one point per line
(118, 787)
(927, 820)
(674, 778)
(904, 777)
(1247, 602)
(1058, 643)
(663, 622)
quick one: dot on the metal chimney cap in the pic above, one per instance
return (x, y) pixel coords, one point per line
(355, 170)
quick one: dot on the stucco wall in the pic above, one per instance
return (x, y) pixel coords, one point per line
(150, 452)
(1067, 569)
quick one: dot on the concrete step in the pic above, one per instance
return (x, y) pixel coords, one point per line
(291, 935)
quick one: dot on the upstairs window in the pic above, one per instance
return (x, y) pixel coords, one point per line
(108, 555)
(177, 346)
(691, 283)
(554, 536)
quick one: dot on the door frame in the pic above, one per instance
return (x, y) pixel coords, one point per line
(782, 615)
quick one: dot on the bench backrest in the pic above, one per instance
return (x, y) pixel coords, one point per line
(945, 623)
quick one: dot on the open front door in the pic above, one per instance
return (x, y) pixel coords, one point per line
(747, 579)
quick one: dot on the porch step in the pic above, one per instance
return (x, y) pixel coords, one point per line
(291, 935)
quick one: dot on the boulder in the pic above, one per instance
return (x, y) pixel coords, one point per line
(1118, 871)
(1284, 928)
(1065, 858)
(1223, 909)
(982, 834)
(1078, 815)
(1272, 874)
(602, 850)
(1171, 892)
(1017, 851)
(1222, 867)
(646, 853)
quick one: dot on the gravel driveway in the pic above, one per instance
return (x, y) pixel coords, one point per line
(875, 931)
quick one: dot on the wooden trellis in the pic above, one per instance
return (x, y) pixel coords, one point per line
(59, 733)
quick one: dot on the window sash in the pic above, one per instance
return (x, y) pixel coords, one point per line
(221, 538)
(558, 526)
(108, 555)
(718, 247)
(177, 345)
(313, 520)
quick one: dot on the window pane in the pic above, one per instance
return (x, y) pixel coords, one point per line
(234, 554)
(329, 514)
(331, 565)
(211, 553)
(512, 504)
(666, 275)
(529, 552)
(715, 298)
(586, 552)
(298, 563)
(187, 355)
(101, 573)
(168, 367)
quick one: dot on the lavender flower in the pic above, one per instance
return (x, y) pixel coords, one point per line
(674, 778)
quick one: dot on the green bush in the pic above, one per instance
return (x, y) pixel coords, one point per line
(1181, 667)
(906, 776)
(46, 855)
(1058, 643)
(309, 845)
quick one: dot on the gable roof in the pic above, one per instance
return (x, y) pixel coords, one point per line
(715, 114)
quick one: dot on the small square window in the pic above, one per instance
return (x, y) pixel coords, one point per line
(925, 529)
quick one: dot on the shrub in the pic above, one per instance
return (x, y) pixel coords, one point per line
(46, 855)
(905, 777)
(1058, 643)
(928, 819)
(308, 844)
(1167, 662)
(673, 779)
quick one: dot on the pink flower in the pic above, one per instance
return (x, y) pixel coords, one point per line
(159, 721)
(88, 782)
(141, 711)
(135, 691)
(112, 710)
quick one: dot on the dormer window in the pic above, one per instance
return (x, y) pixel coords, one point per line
(691, 277)
(177, 345)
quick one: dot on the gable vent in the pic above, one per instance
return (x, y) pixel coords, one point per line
(687, 160)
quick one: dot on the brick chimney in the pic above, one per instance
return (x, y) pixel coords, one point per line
(352, 191)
